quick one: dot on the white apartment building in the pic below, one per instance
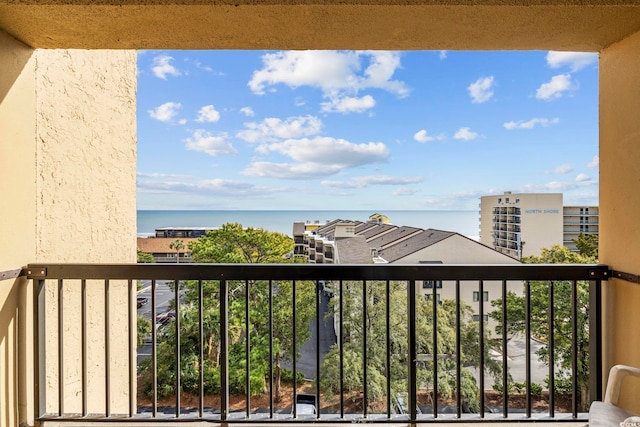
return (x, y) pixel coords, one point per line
(521, 224)
(579, 219)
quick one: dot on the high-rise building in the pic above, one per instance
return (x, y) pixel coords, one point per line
(579, 219)
(521, 224)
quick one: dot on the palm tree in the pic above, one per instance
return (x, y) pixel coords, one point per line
(178, 245)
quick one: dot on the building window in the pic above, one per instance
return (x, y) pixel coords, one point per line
(428, 284)
(476, 296)
(476, 317)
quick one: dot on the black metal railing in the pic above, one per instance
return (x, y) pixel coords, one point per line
(228, 338)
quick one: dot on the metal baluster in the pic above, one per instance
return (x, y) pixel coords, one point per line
(552, 358)
(201, 345)
(224, 350)
(107, 350)
(411, 315)
(364, 350)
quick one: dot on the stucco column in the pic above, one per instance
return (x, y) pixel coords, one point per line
(17, 228)
(620, 200)
(86, 212)
(67, 182)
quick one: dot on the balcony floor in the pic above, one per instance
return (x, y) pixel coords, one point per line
(292, 424)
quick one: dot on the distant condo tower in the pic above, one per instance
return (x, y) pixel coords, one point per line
(521, 224)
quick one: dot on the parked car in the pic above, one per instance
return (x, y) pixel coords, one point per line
(165, 318)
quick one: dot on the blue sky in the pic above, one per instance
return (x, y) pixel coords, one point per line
(366, 130)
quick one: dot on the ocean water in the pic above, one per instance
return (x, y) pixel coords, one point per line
(466, 223)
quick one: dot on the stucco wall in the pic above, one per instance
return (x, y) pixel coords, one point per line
(620, 199)
(86, 161)
(17, 227)
(67, 180)
(86, 156)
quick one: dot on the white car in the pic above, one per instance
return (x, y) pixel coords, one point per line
(305, 409)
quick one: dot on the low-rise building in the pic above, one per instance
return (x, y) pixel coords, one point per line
(160, 249)
(356, 242)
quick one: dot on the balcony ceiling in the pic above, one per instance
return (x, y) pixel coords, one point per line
(586, 25)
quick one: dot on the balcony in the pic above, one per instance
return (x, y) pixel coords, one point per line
(40, 211)
(423, 386)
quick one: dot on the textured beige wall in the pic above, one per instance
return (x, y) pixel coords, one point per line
(67, 180)
(17, 227)
(17, 152)
(86, 162)
(620, 199)
(86, 156)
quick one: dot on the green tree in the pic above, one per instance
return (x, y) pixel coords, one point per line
(144, 329)
(375, 327)
(233, 243)
(587, 245)
(177, 245)
(562, 321)
(145, 257)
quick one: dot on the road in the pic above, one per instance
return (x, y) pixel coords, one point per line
(307, 362)
(163, 296)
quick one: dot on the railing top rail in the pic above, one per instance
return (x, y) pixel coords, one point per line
(315, 271)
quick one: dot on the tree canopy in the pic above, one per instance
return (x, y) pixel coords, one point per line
(375, 328)
(587, 245)
(232, 243)
(562, 320)
(145, 257)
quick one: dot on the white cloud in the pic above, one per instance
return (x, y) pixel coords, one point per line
(481, 90)
(574, 60)
(562, 169)
(161, 175)
(335, 73)
(348, 104)
(166, 112)
(442, 54)
(454, 200)
(554, 88)
(366, 181)
(211, 144)
(404, 192)
(595, 163)
(208, 114)
(218, 187)
(201, 66)
(581, 180)
(465, 134)
(272, 129)
(290, 170)
(330, 151)
(247, 111)
(583, 177)
(317, 157)
(530, 124)
(162, 67)
(421, 136)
